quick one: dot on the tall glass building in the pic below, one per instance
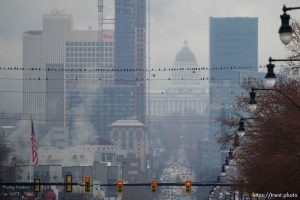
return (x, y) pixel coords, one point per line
(130, 50)
(233, 55)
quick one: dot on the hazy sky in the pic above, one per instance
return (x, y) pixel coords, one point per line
(172, 21)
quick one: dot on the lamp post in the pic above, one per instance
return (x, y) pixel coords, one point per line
(285, 30)
(253, 104)
(223, 172)
(270, 76)
(241, 129)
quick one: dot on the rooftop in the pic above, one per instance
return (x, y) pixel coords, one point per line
(185, 55)
(129, 122)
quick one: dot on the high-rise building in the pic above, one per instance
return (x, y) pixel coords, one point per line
(233, 52)
(55, 26)
(43, 87)
(33, 93)
(89, 65)
(130, 50)
(130, 35)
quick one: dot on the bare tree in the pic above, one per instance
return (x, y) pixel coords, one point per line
(294, 46)
(268, 157)
(8, 162)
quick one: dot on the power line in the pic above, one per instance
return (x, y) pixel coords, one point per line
(100, 93)
(125, 69)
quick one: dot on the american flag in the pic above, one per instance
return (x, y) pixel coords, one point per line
(34, 147)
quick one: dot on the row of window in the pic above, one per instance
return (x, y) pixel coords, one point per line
(87, 67)
(138, 134)
(89, 43)
(89, 54)
(84, 76)
(90, 49)
(94, 59)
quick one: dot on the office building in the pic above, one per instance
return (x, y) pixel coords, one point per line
(43, 87)
(33, 81)
(130, 138)
(130, 49)
(233, 52)
(89, 65)
(55, 26)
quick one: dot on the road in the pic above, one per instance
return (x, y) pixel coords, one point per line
(177, 170)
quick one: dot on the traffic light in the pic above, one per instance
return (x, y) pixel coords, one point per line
(37, 186)
(69, 183)
(153, 185)
(120, 186)
(188, 186)
(87, 183)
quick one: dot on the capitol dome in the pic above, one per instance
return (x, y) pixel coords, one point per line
(185, 55)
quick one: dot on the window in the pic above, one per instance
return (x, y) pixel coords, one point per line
(109, 157)
(130, 141)
(139, 134)
(123, 142)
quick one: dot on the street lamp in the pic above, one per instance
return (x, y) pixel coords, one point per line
(236, 141)
(285, 30)
(241, 129)
(253, 103)
(226, 163)
(223, 173)
(218, 180)
(230, 154)
(270, 76)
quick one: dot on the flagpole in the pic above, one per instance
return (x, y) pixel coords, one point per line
(30, 154)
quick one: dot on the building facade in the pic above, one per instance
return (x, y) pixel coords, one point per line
(233, 51)
(33, 103)
(187, 93)
(43, 81)
(130, 138)
(130, 50)
(55, 26)
(89, 68)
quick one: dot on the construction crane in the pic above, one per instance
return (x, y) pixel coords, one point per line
(100, 20)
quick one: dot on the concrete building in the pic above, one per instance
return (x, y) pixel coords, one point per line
(233, 51)
(43, 89)
(100, 173)
(130, 138)
(33, 93)
(71, 66)
(47, 173)
(55, 26)
(186, 94)
(57, 137)
(93, 150)
(89, 66)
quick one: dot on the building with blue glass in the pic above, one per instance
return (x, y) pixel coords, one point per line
(233, 56)
(130, 50)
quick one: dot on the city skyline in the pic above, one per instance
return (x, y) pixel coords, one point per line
(196, 30)
(166, 27)
(101, 94)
